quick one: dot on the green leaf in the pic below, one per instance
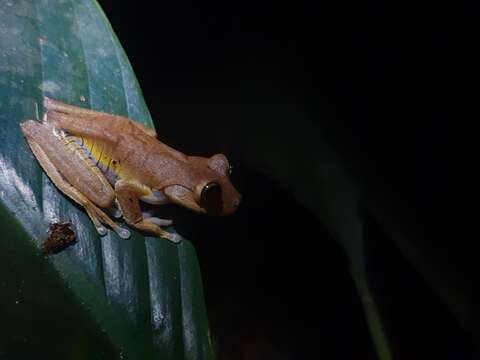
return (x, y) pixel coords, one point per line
(104, 297)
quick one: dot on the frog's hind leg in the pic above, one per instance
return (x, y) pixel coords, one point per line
(78, 120)
(52, 156)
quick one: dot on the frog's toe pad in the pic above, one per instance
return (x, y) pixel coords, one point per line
(175, 238)
(116, 213)
(123, 233)
(102, 230)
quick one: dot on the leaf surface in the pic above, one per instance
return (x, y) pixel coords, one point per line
(138, 298)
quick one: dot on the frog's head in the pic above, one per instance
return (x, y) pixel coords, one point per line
(212, 191)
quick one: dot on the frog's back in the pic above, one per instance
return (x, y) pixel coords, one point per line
(130, 158)
(118, 146)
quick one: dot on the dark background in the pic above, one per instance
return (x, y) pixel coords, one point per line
(389, 82)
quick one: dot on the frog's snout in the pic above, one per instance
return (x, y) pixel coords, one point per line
(234, 204)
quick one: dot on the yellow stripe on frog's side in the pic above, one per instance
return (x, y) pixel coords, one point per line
(72, 145)
(101, 152)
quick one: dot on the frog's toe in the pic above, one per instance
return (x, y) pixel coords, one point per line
(116, 213)
(115, 210)
(123, 233)
(102, 230)
(160, 222)
(174, 237)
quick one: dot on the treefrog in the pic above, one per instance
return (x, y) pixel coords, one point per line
(106, 161)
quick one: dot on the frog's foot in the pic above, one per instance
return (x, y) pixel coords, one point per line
(151, 227)
(98, 217)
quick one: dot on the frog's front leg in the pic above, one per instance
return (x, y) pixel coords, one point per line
(72, 173)
(128, 195)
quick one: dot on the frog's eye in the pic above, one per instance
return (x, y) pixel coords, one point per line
(211, 197)
(230, 169)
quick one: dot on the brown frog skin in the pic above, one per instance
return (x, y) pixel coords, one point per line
(101, 160)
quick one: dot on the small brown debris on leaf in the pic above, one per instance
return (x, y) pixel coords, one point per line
(60, 237)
